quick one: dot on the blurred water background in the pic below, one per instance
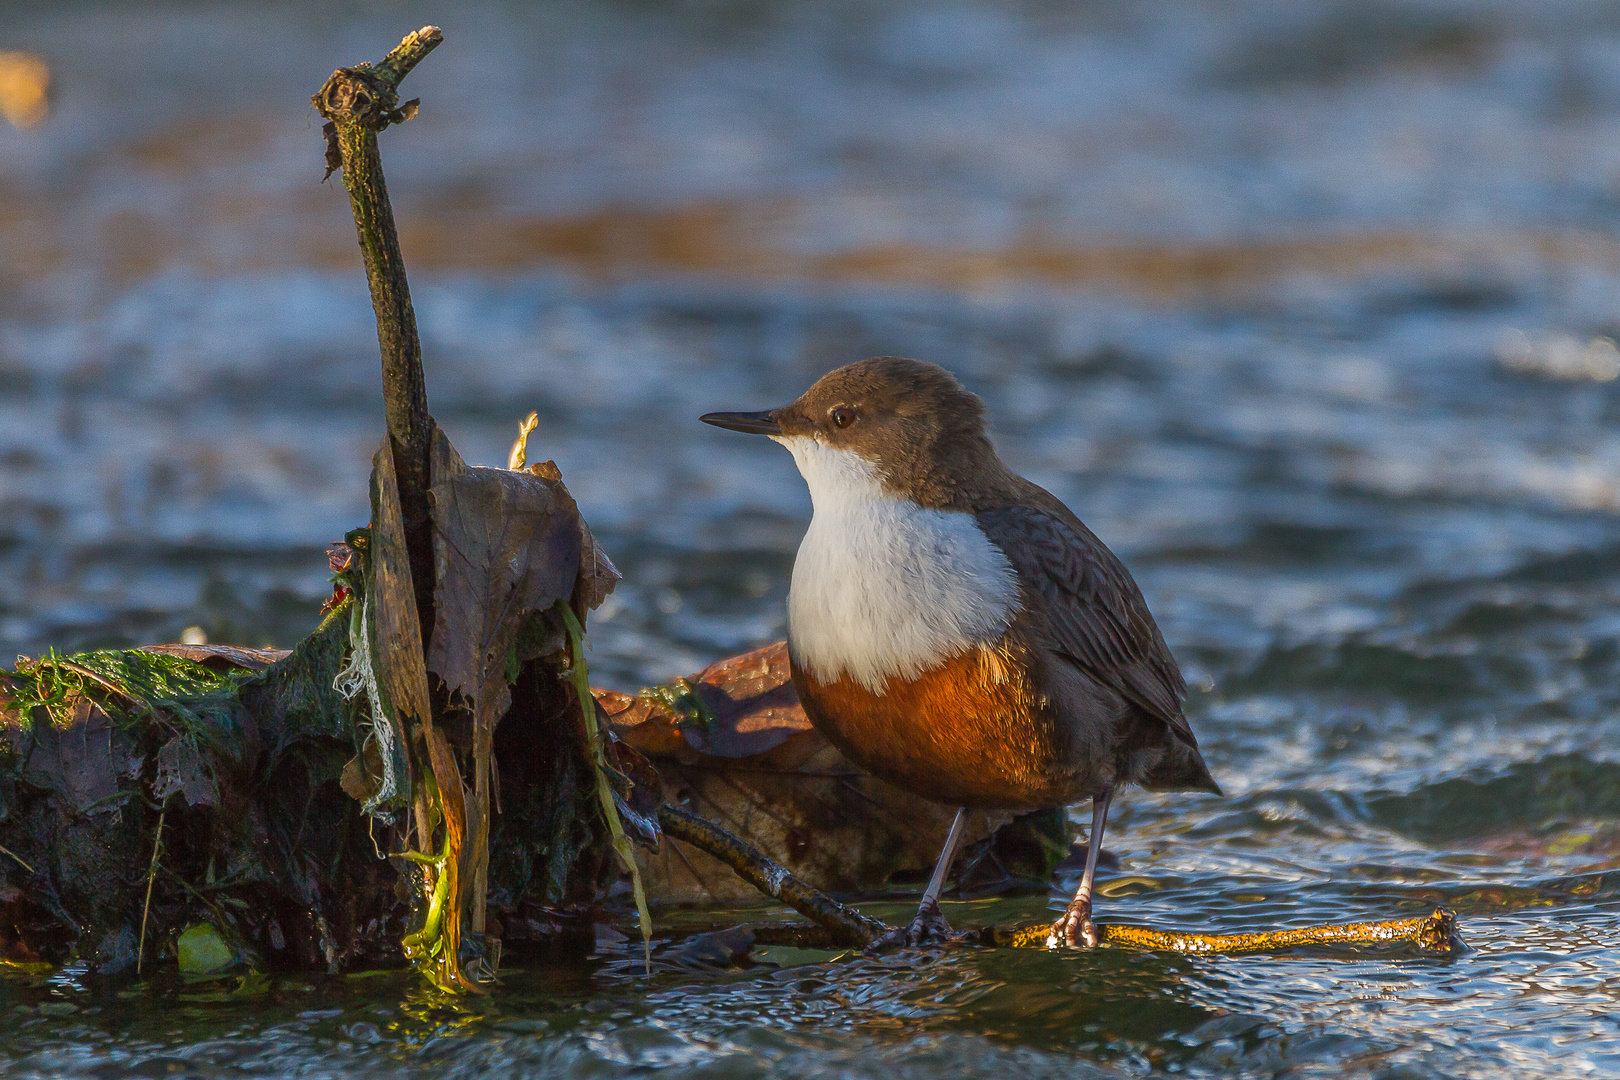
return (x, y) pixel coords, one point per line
(1307, 308)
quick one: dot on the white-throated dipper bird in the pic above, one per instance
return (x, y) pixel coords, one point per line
(955, 630)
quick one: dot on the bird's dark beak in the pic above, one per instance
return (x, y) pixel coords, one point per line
(754, 423)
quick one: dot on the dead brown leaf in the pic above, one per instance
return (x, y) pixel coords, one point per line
(222, 657)
(597, 574)
(83, 761)
(180, 770)
(507, 546)
(752, 702)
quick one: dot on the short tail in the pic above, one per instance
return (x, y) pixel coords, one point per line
(1181, 769)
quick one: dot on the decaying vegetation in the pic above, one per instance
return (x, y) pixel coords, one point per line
(428, 774)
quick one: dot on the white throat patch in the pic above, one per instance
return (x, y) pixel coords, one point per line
(882, 587)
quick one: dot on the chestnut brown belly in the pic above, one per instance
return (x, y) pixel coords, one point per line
(970, 732)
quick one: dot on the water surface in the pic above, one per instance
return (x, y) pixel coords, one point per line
(1307, 309)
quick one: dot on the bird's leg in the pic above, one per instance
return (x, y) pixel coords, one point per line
(1076, 927)
(929, 923)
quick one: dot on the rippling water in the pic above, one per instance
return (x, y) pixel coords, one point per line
(1307, 309)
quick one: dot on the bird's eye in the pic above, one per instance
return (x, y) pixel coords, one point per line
(843, 416)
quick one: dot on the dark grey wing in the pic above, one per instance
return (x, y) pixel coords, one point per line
(1094, 610)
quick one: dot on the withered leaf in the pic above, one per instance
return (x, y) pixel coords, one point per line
(362, 774)
(83, 761)
(222, 657)
(507, 545)
(180, 770)
(751, 700)
(597, 574)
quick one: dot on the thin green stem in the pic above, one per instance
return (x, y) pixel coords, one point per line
(7, 851)
(604, 789)
(151, 875)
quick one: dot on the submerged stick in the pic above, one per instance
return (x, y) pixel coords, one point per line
(770, 877)
(1435, 932)
(357, 103)
(844, 925)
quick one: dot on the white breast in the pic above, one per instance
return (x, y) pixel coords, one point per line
(883, 587)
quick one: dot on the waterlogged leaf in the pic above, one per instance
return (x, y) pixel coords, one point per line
(83, 761)
(180, 770)
(221, 657)
(203, 951)
(253, 984)
(713, 951)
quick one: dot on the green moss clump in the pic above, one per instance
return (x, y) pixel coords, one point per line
(128, 684)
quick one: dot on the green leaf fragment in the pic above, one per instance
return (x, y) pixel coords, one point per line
(203, 951)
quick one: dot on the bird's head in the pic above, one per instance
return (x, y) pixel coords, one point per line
(891, 425)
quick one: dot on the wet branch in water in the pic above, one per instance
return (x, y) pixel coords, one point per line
(847, 927)
(1435, 932)
(769, 876)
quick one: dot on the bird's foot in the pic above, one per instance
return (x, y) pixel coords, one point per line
(927, 928)
(1075, 928)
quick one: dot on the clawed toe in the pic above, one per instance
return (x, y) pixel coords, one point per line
(927, 928)
(1075, 930)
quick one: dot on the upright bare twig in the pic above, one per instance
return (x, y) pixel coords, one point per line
(357, 103)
